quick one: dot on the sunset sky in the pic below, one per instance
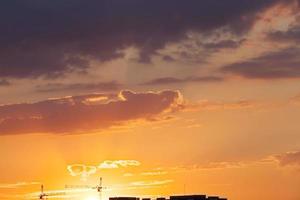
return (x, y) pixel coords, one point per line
(158, 97)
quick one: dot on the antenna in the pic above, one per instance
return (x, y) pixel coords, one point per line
(42, 195)
(99, 188)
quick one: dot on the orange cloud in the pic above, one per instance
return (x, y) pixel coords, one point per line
(214, 105)
(78, 114)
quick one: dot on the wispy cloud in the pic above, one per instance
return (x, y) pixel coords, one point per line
(275, 65)
(84, 171)
(154, 173)
(81, 170)
(99, 86)
(17, 185)
(190, 79)
(218, 105)
(152, 183)
(114, 164)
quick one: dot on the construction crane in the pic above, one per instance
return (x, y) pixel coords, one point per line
(44, 195)
(98, 187)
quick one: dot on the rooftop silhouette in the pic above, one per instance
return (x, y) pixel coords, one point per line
(181, 197)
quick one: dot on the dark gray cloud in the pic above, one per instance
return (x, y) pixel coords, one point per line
(96, 87)
(275, 65)
(292, 35)
(80, 114)
(204, 49)
(168, 58)
(52, 37)
(174, 80)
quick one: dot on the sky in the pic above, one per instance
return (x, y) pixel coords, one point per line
(156, 97)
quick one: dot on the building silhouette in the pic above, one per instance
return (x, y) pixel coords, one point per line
(181, 197)
(124, 198)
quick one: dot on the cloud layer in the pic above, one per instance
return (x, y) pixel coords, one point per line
(99, 86)
(81, 114)
(275, 65)
(52, 37)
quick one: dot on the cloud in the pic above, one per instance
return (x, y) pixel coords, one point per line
(276, 65)
(81, 114)
(81, 170)
(219, 165)
(216, 165)
(100, 86)
(213, 165)
(52, 37)
(289, 159)
(284, 159)
(17, 185)
(114, 164)
(223, 44)
(290, 35)
(154, 173)
(152, 183)
(84, 171)
(214, 105)
(191, 79)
